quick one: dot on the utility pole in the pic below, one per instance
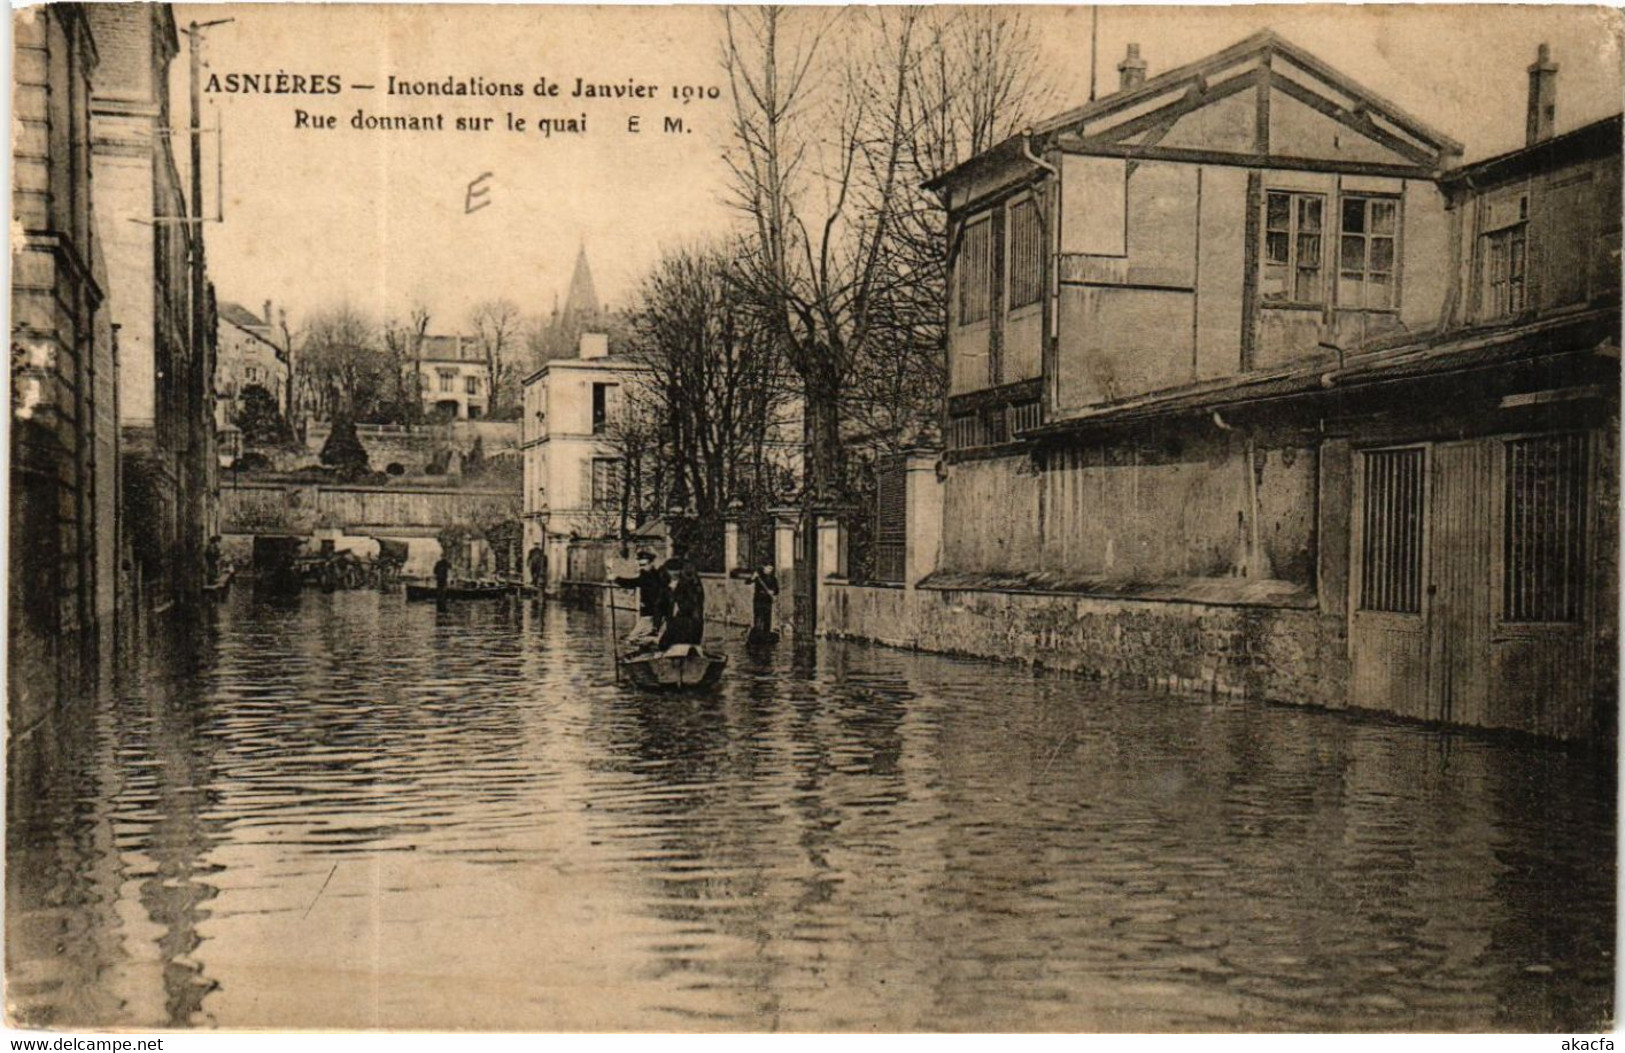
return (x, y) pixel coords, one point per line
(200, 388)
(1094, 41)
(194, 35)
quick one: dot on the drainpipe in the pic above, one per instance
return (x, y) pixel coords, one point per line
(1254, 542)
(1027, 152)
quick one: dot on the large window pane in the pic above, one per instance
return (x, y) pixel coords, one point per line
(1354, 215)
(1353, 253)
(1278, 216)
(1383, 215)
(1382, 254)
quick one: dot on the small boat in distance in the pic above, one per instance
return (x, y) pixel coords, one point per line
(477, 590)
(681, 667)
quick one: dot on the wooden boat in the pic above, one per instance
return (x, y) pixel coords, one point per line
(467, 591)
(681, 667)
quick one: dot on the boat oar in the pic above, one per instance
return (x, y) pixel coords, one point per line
(614, 631)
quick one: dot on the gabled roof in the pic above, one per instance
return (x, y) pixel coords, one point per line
(449, 347)
(1145, 112)
(1264, 43)
(240, 316)
(245, 320)
(1588, 142)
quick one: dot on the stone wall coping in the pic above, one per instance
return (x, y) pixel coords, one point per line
(1206, 592)
(274, 486)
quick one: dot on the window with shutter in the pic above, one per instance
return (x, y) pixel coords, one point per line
(1026, 254)
(974, 272)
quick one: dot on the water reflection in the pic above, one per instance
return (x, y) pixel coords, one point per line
(355, 812)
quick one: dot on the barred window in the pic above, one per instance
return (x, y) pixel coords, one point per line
(1545, 529)
(1391, 552)
(974, 272)
(1369, 253)
(1026, 254)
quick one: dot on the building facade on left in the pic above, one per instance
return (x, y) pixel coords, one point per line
(112, 475)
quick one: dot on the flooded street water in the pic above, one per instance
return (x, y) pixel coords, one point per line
(352, 812)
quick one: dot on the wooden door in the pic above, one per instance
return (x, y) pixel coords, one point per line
(1389, 642)
(1542, 593)
(1459, 585)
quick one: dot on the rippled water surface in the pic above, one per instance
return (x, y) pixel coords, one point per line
(351, 812)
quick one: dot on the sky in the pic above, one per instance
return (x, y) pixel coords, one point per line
(382, 220)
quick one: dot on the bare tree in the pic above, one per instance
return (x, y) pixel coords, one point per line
(497, 325)
(403, 345)
(820, 143)
(537, 337)
(640, 492)
(344, 369)
(978, 82)
(712, 385)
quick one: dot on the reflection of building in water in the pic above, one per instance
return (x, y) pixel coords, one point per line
(177, 794)
(111, 822)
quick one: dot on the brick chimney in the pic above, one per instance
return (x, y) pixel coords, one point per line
(1132, 69)
(1542, 98)
(594, 345)
(268, 312)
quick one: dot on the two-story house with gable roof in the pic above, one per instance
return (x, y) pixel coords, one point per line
(1254, 387)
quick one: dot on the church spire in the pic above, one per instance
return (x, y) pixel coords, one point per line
(581, 304)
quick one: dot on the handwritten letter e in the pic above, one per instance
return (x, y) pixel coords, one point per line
(478, 196)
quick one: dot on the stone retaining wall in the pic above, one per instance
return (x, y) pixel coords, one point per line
(1280, 654)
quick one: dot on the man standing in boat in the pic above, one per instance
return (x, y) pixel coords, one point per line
(686, 625)
(654, 602)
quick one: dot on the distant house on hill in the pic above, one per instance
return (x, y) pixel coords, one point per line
(252, 351)
(453, 377)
